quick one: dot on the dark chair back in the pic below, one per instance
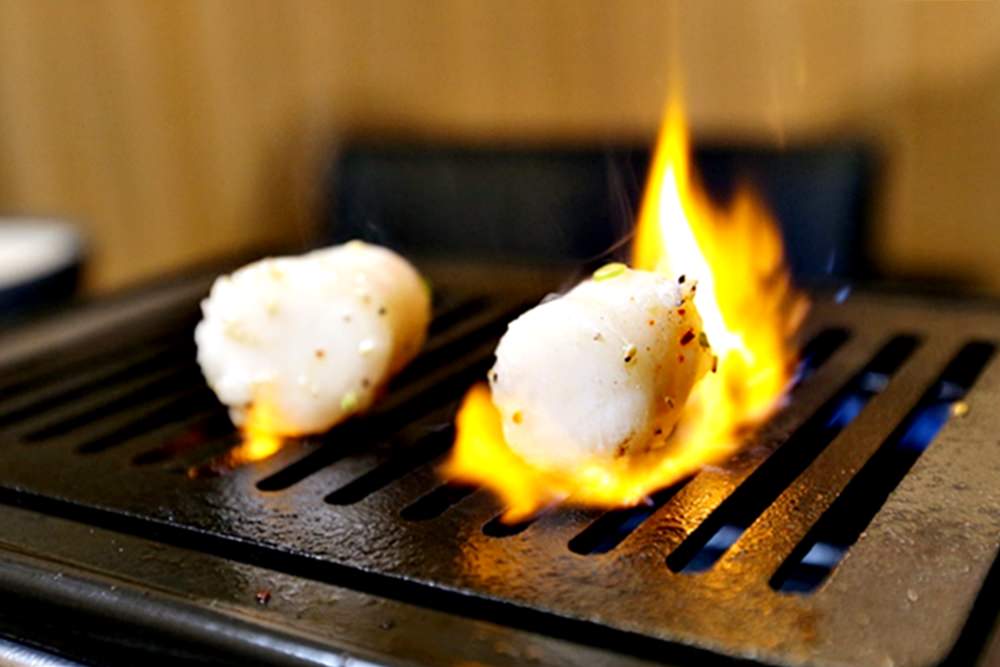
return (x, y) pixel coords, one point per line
(578, 205)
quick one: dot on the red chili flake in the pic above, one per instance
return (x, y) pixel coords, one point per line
(681, 311)
(687, 337)
(263, 596)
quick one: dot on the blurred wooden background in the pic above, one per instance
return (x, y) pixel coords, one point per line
(175, 130)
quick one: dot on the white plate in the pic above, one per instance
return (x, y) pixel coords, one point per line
(32, 248)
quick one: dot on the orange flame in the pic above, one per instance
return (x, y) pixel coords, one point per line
(259, 438)
(749, 311)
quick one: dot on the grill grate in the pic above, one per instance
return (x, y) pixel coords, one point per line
(124, 436)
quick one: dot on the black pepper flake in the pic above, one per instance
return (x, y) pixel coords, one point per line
(680, 281)
(687, 337)
(630, 353)
(263, 596)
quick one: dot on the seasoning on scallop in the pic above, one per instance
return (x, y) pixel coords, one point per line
(600, 372)
(314, 336)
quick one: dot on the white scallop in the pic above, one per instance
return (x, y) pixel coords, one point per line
(297, 333)
(600, 372)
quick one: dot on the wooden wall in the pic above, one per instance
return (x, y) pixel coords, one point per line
(173, 130)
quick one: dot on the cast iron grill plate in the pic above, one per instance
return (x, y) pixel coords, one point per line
(115, 430)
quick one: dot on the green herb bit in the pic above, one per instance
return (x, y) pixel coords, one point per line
(349, 401)
(609, 271)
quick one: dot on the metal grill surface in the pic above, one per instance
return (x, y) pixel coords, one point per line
(115, 431)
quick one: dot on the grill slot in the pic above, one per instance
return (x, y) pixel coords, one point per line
(818, 351)
(460, 338)
(437, 502)
(68, 388)
(189, 434)
(841, 525)
(402, 463)
(210, 460)
(701, 550)
(107, 403)
(450, 315)
(497, 527)
(87, 356)
(613, 527)
(144, 421)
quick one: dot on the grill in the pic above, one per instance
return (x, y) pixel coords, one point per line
(838, 536)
